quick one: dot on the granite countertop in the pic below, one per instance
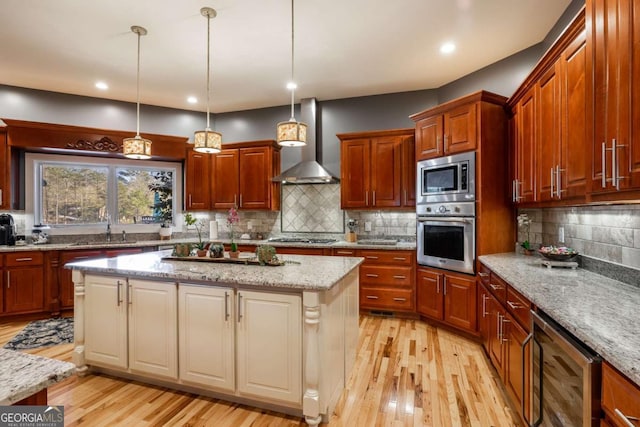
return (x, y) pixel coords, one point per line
(23, 374)
(601, 312)
(306, 272)
(145, 243)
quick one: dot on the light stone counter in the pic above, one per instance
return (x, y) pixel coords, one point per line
(146, 243)
(601, 312)
(306, 272)
(23, 374)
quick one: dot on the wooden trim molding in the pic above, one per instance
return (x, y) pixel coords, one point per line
(376, 133)
(482, 95)
(35, 136)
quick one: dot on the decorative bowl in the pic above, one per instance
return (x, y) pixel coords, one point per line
(561, 253)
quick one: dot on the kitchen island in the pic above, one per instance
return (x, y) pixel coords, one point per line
(282, 338)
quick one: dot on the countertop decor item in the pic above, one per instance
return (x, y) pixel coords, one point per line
(558, 253)
(181, 249)
(232, 219)
(138, 148)
(351, 236)
(208, 141)
(266, 254)
(525, 221)
(190, 220)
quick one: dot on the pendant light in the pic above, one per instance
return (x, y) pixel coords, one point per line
(292, 133)
(137, 147)
(207, 141)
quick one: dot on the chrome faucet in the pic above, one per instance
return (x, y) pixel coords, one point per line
(108, 228)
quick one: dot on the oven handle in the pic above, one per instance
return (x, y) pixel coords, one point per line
(437, 219)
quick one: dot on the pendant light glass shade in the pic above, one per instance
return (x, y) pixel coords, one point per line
(138, 148)
(207, 141)
(292, 133)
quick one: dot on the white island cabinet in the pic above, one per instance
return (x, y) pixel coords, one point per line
(281, 338)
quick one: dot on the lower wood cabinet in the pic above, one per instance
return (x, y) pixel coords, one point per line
(65, 284)
(448, 297)
(24, 282)
(620, 398)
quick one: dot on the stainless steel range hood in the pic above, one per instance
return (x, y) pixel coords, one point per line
(308, 171)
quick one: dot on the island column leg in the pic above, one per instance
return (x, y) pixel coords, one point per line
(78, 323)
(311, 398)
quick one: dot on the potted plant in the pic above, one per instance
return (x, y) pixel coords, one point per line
(525, 221)
(201, 246)
(233, 218)
(165, 230)
(266, 254)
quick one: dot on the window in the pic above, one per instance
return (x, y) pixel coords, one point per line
(80, 192)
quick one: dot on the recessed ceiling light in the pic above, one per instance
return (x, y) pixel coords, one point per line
(447, 48)
(102, 85)
(192, 100)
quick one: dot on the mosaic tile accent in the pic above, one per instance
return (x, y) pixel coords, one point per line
(313, 208)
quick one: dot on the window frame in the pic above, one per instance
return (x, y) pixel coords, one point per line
(33, 192)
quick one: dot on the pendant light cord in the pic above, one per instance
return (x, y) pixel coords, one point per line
(138, 90)
(293, 89)
(208, 66)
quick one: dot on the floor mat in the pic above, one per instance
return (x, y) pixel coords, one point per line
(43, 333)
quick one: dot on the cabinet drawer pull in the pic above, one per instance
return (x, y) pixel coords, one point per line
(495, 287)
(240, 199)
(502, 322)
(400, 277)
(484, 305)
(372, 297)
(400, 299)
(118, 295)
(344, 252)
(130, 293)
(8, 280)
(399, 258)
(514, 305)
(371, 257)
(626, 418)
(372, 275)
(24, 259)
(239, 306)
(483, 275)
(81, 257)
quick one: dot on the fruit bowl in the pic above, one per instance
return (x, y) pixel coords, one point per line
(558, 253)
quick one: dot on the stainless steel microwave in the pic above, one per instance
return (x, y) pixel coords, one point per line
(447, 179)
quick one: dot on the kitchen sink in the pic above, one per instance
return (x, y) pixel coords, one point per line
(388, 242)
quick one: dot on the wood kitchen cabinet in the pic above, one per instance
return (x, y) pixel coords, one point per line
(613, 40)
(387, 279)
(504, 324)
(523, 184)
(197, 180)
(448, 297)
(620, 398)
(242, 174)
(561, 126)
(377, 171)
(443, 134)
(24, 282)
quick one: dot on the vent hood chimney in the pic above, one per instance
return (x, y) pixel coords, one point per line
(308, 171)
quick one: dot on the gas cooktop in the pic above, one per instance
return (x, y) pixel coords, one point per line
(300, 240)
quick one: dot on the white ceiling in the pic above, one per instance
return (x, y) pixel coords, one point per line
(344, 48)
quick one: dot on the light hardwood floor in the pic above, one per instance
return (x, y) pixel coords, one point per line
(408, 373)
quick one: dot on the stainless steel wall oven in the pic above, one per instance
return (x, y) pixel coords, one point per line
(446, 236)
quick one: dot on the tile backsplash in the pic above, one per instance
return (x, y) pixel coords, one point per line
(610, 233)
(312, 208)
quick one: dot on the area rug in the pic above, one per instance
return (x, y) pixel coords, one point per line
(43, 333)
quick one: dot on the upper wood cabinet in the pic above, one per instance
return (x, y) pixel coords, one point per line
(613, 43)
(239, 176)
(377, 169)
(198, 177)
(445, 131)
(523, 184)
